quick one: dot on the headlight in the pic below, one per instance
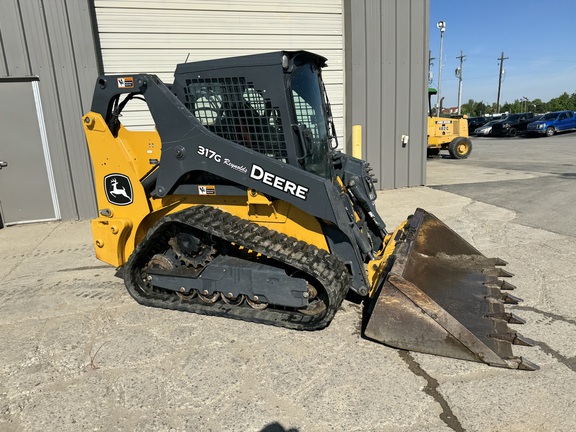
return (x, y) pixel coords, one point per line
(541, 126)
(506, 125)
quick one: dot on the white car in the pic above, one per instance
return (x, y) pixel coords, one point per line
(486, 129)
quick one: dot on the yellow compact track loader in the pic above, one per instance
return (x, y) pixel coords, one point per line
(447, 133)
(238, 205)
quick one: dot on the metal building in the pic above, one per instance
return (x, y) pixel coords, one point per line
(48, 62)
(386, 85)
(51, 52)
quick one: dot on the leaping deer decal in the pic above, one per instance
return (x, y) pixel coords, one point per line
(117, 191)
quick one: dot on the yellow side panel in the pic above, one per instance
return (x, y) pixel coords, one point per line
(143, 147)
(118, 163)
(110, 237)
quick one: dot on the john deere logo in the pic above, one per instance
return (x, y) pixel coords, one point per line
(118, 189)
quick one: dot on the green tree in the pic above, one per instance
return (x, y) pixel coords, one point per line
(480, 108)
(538, 106)
(468, 108)
(562, 102)
(573, 101)
(509, 107)
(474, 109)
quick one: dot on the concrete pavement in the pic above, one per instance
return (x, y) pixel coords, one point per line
(77, 353)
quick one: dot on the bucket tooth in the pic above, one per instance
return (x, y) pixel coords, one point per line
(508, 317)
(497, 271)
(514, 338)
(521, 363)
(526, 365)
(504, 273)
(510, 299)
(524, 341)
(506, 285)
(500, 283)
(499, 262)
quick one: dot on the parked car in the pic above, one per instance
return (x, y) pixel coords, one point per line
(475, 122)
(553, 122)
(513, 125)
(486, 129)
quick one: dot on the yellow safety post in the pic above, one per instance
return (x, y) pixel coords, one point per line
(357, 141)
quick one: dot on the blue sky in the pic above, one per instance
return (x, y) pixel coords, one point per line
(538, 37)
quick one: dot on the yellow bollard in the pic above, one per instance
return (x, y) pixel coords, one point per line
(357, 141)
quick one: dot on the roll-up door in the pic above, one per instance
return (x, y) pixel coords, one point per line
(154, 36)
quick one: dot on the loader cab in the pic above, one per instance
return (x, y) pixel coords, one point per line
(272, 103)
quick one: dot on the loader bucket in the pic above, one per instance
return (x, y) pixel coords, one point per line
(442, 296)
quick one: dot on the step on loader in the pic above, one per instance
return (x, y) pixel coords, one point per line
(239, 205)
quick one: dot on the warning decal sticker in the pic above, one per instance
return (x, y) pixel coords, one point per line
(207, 190)
(126, 82)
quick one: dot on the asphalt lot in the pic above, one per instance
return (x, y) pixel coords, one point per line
(77, 353)
(544, 201)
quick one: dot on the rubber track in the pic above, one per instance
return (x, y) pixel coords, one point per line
(327, 269)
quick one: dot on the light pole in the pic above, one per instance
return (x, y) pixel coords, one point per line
(442, 26)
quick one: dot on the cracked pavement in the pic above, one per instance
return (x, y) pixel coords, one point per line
(77, 353)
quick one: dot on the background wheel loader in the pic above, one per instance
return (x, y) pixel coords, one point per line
(238, 205)
(447, 133)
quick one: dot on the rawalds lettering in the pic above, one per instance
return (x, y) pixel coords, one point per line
(280, 183)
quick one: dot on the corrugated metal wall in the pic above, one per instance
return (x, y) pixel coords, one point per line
(386, 85)
(153, 37)
(52, 39)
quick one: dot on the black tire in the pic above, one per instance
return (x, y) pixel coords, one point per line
(512, 132)
(550, 131)
(460, 148)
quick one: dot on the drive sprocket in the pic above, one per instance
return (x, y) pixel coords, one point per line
(198, 255)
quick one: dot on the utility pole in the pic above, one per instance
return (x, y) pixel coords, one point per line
(501, 59)
(459, 76)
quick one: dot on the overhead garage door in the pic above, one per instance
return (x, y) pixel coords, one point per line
(154, 36)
